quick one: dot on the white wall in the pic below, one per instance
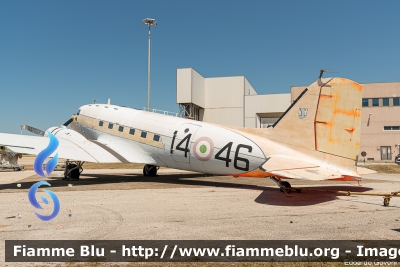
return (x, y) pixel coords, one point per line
(198, 89)
(266, 103)
(227, 92)
(225, 116)
(184, 85)
(273, 103)
(248, 89)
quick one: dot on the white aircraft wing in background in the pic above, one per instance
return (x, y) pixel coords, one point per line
(72, 146)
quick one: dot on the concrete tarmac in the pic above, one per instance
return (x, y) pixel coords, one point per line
(124, 205)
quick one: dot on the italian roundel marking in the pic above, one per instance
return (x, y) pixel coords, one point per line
(203, 148)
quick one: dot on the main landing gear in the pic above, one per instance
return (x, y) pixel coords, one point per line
(73, 170)
(150, 170)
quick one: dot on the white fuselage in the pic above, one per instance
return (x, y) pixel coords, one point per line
(170, 141)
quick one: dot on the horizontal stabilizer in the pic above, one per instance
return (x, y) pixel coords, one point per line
(314, 174)
(285, 163)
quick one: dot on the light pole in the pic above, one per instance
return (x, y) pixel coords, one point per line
(149, 22)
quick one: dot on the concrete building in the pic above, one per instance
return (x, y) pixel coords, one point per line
(233, 101)
(227, 100)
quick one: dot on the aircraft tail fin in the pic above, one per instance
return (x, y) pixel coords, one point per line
(326, 117)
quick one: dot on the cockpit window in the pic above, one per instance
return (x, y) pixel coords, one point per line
(79, 111)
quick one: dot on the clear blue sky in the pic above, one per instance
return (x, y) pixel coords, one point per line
(58, 55)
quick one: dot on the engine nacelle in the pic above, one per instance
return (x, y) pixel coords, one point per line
(63, 132)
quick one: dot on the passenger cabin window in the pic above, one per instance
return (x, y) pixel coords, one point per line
(385, 102)
(110, 126)
(375, 102)
(143, 134)
(121, 129)
(101, 123)
(156, 138)
(105, 106)
(132, 131)
(365, 102)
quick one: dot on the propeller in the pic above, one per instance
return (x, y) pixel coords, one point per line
(68, 122)
(33, 130)
(40, 132)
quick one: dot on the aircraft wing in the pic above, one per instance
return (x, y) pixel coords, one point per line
(79, 149)
(125, 151)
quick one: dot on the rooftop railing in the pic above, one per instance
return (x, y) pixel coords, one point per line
(168, 113)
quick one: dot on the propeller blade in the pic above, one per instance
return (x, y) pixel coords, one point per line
(68, 122)
(33, 130)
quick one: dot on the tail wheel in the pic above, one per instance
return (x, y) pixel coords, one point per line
(386, 201)
(285, 184)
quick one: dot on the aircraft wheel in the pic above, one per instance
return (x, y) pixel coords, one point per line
(72, 172)
(150, 170)
(286, 185)
(386, 201)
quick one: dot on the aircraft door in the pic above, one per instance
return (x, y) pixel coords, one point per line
(181, 142)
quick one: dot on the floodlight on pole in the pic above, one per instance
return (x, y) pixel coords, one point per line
(149, 22)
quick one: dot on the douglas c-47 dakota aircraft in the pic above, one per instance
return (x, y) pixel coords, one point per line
(317, 138)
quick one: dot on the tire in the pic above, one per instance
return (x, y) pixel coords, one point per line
(386, 202)
(74, 174)
(150, 170)
(285, 184)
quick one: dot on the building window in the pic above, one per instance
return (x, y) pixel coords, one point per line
(375, 102)
(101, 123)
(132, 131)
(396, 101)
(386, 153)
(121, 129)
(365, 102)
(391, 128)
(143, 134)
(110, 126)
(385, 102)
(156, 138)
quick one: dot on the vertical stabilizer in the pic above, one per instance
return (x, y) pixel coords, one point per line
(326, 117)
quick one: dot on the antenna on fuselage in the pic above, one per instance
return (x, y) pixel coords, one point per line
(94, 100)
